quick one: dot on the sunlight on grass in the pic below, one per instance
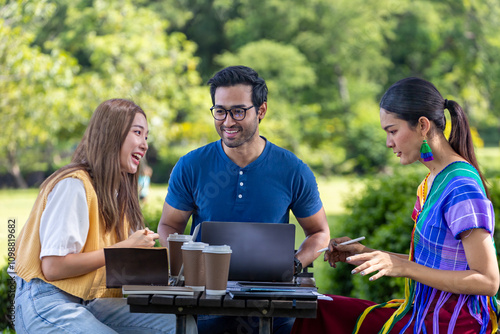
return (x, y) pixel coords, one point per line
(14, 204)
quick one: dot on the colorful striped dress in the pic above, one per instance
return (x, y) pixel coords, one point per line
(456, 203)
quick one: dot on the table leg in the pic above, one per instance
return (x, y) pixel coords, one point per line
(180, 323)
(265, 325)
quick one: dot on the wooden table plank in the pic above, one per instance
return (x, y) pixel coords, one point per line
(188, 300)
(229, 302)
(210, 301)
(258, 303)
(306, 304)
(282, 304)
(139, 299)
(162, 300)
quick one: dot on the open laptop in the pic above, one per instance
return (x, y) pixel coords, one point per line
(136, 266)
(261, 252)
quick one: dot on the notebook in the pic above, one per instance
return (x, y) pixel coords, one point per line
(260, 251)
(136, 266)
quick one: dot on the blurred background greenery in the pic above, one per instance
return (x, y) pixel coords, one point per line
(326, 62)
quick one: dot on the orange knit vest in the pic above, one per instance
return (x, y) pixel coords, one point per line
(28, 264)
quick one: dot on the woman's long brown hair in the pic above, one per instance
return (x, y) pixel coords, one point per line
(99, 154)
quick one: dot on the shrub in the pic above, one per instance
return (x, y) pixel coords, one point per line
(6, 295)
(362, 154)
(152, 215)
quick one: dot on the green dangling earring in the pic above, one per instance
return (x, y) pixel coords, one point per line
(426, 152)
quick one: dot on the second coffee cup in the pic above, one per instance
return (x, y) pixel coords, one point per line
(194, 265)
(175, 242)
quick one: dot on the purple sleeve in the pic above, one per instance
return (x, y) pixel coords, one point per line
(467, 207)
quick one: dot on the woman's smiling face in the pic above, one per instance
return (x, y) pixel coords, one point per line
(135, 145)
(404, 141)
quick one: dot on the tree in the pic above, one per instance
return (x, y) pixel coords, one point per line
(95, 51)
(34, 90)
(453, 44)
(356, 50)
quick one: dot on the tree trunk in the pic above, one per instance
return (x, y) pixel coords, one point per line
(15, 170)
(343, 90)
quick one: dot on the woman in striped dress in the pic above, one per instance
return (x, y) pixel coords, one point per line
(452, 274)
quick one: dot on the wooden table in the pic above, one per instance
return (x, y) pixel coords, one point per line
(200, 303)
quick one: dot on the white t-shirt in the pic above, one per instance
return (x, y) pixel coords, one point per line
(64, 224)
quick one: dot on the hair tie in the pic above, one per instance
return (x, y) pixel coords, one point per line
(445, 103)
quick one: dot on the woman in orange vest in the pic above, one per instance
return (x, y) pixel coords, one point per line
(83, 207)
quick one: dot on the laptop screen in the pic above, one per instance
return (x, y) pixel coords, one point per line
(260, 251)
(136, 266)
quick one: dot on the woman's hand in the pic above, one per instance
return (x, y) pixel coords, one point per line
(385, 263)
(140, 238)
(339, 253)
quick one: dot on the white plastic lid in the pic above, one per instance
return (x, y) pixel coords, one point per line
(191, 245)
(179, 237)
(224, 249)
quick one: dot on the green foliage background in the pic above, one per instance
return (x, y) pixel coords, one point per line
(6, 286)
(326, 63)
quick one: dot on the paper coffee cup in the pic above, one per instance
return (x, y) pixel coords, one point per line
(194, 265)
(175, 242)
(217, 259)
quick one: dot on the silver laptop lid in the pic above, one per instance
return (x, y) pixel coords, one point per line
(262, 252)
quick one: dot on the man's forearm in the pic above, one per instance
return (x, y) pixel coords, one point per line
(308, 250)
(164, 231)
(317, 234)
(171, 221)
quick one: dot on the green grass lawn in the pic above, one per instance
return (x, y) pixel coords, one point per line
(14, 204)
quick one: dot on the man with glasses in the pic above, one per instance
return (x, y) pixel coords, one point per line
(243, 177)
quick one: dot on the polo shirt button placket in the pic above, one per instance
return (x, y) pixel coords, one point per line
(241, 182)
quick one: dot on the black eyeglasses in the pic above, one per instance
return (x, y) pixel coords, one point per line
(238, 114)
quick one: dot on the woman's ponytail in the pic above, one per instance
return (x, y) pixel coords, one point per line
(461, 137)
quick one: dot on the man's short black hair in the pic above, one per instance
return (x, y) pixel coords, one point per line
(235, 75)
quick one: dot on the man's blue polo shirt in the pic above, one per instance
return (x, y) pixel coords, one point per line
(216, 189)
